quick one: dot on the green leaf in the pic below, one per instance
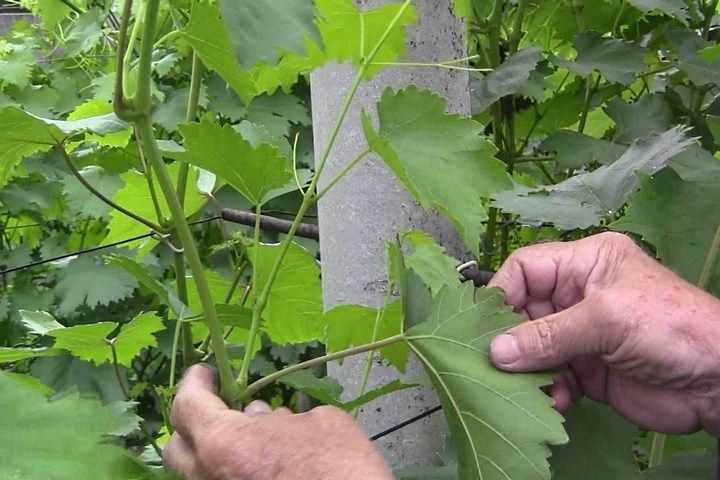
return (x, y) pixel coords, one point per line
(97, 109)
(81, 201)
(39, 322)
(617, 60)
(65, 372)
(350, 33)
(51, 12)
(254, 172)
(430, 262)
(209, 38)
(673, 8)
(294, 312)
(649, 115)
(86, 32)
(574, 150)
(234, 316)
(10, 355)
(17, 64)
(688, 466)
(412, 140)
(678, 218)
(86, 342)
(587, 458)
(137, 335)
(584, 200)
(30, 422)
(88, 281)
(261, 32)
(501, 423)
(136, 196)
(511, 77)
(327, 390)
(353, 325)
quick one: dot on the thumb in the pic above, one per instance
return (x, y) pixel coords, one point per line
(555, 340)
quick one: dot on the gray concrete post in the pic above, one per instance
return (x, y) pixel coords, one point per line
(369, 207)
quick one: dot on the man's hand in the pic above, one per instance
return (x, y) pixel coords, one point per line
(629, 331)
(212, 442)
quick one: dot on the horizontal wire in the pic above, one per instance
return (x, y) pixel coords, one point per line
(97, 249)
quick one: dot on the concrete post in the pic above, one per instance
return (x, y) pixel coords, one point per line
(369, 207)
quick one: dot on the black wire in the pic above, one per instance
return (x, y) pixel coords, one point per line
(405, 423)
(97, 249)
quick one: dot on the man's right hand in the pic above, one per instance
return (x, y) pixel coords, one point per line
(627, 330)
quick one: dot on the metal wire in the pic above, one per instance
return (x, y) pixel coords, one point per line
(405, 423)
(96, 249)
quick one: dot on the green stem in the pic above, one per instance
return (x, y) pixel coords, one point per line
(616, 23)
(120, 104)
(182, 290)
(341, 174)
(586, 103)
(130, 50)
(228, 388)
(176, 341)
(657, 449)
(371, 354)
(516, 37)
(255, 324)
(255, 387)
(310, 198)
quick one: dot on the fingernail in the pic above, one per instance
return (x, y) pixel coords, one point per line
(504, 350)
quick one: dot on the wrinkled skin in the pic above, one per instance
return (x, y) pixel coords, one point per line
(625, 329)
(212, 442)
(620, 328)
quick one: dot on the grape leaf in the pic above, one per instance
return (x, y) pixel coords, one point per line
(687, 466)
(649, 115)
(136, 197)
(511, 77)
(39, 322)
(260, 32)
(412, 140)
(10, 355)
(367, 397)
(85, 33)
(87, 281)
(501, 423)
(65, 372)
(17, 64)
(673, 8)
(584, 200)
(209, 38)
(294, 312)
(617, 60)
(662, 213)
(84, 203)
(350, 33)
(327, 390)
(98, 109)
(30, 421)
(254, 172)
(86, 342)
(51, 12)
(353, 325)
(584, 457)
(430, 262)
(137, 335)
(574, 150)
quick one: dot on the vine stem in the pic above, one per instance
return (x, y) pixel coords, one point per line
(228, 388)
(310, 197)
(709, 267)
(346, 169)
(76, 173)
(182, 289)
(255, 387)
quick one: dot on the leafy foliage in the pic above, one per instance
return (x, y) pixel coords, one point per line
(453, 344)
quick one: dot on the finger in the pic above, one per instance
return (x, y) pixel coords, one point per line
(257, 408)
(178, 457)
(555, 340)
(196, 403)
(283, 411)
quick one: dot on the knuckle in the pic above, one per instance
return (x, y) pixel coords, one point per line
(544, 338)
(328, 416)
(617, 241)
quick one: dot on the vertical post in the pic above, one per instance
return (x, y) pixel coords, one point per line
(368, 208)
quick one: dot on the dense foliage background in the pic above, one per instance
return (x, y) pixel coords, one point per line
(587, 116)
